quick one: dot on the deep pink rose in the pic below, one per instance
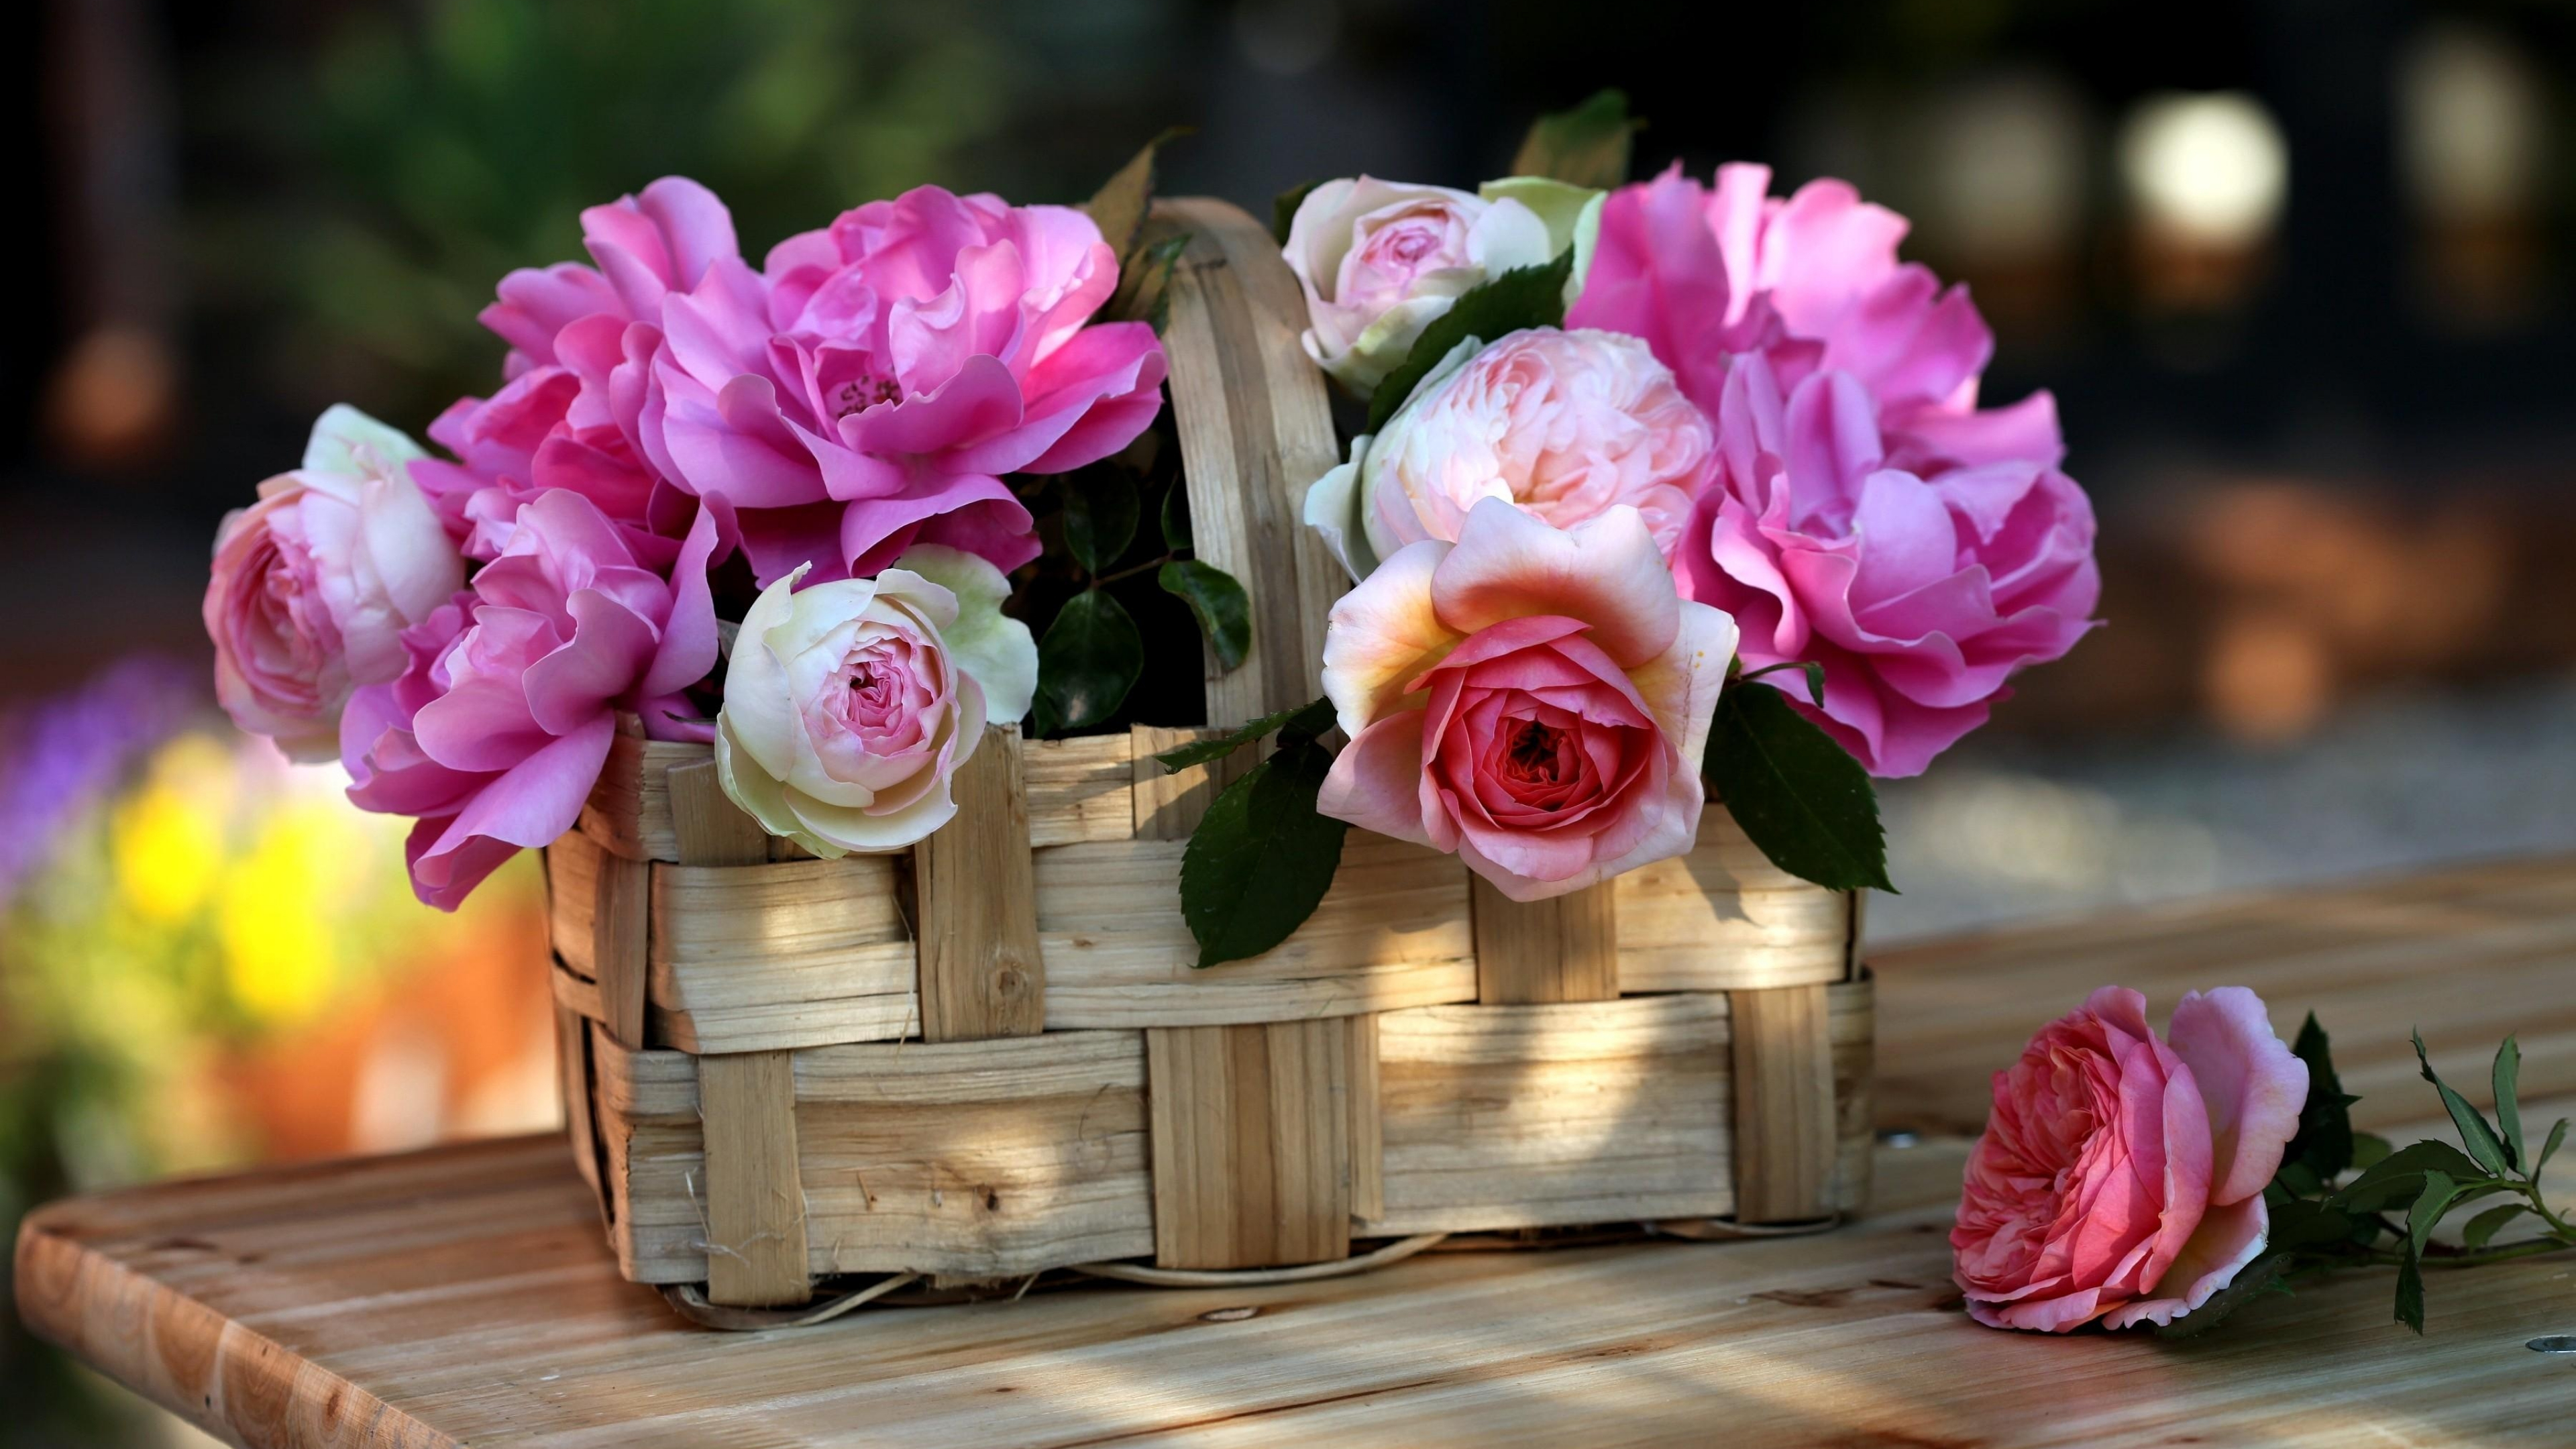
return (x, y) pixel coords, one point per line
(870, 388)
(1919, 594)
(1917, 547)
(580, 344)
(313, 585)
(2119, 1177)
(1564, 425)
(495, 733)
(1535, 700)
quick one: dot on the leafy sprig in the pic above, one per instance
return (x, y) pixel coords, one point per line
(2385, 1215)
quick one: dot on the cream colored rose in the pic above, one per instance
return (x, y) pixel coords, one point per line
(1380, 260)
(849, 705)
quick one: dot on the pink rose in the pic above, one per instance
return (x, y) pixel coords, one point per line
(849, 705)
(1380, 260)
(580, 345)
(1563, 425)
(871, 387)
(1920, 594)
(2119, 1177)
(1535, 700)
(495, 733)
(313, 585)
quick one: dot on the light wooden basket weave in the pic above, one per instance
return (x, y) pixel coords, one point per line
(993, 1057)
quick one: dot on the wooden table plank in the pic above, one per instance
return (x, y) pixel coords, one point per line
(462, 1296)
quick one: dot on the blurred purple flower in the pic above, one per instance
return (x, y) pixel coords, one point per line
(62, 756)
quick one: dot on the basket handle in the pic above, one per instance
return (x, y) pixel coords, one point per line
(1256, 431)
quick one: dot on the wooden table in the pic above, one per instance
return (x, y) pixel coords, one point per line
(461, 1296)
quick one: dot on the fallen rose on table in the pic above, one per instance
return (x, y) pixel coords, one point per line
(2125, 1179)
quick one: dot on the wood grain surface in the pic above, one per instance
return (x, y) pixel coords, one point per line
(462, 1297)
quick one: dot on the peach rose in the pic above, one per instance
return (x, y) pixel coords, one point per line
(2121, 1177)
(1562, 425)
(1534, 700)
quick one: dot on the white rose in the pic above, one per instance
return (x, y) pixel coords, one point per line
(848, 707)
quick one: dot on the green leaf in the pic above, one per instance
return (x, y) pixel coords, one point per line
(1176, 516)
(1099, 516)
(2324, 1142)
(1520, 299)
(1091, 656)
(1283, 209)
(2400, 1176)
(2410, 1293)
(1224, 610)
(2549, 1149)
(1261, 858)
(2482, 1228)
(2299, 1223)
(1145, 284)
(1796, 793)
(2258, 1279)
(2507, 1077)
(2430, 1204)
(1815, 677)
(1302, 721)
(1586, 146)
(2475, 1134)
(2369, 1149)
(1119, 207)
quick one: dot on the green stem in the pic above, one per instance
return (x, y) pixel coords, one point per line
(2532, 1249)
(1132, 571)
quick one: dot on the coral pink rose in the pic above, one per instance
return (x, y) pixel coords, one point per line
(1563, 425)
(1535, 700)
(870, 389)
(313, 585)
(495, 733)
(580, 344)
(1919, 593)
(2120, 1177)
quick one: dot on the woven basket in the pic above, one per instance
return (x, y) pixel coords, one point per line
(992, 1057)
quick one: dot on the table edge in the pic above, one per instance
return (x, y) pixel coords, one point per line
(226, 1379)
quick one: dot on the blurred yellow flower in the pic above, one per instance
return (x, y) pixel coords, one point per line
(168, 841)
(283, 904)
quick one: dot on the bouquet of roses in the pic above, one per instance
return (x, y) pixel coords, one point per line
(1613, 446)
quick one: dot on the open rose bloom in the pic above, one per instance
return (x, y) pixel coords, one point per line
(1562, 425)
(1533, 699)
(1868, 514)
(2121, 1177)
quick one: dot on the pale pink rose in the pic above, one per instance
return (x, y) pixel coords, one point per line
(2119, 1177)
(1533, 699)
(872, 386)
(1562, 425)
(581, 341)
(313, 585)
(1919, 594)
(495, 732)
(1381, 260)
(849, 705)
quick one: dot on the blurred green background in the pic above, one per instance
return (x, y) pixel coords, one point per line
(2298, 270)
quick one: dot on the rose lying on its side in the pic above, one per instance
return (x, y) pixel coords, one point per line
(1533, 699)
(2120, 1177)
(848, 706)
